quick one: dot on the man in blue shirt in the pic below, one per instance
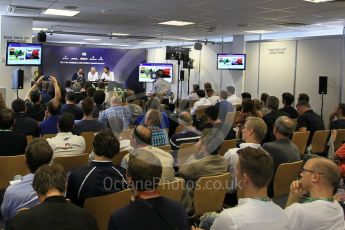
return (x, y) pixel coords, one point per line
(21, 194)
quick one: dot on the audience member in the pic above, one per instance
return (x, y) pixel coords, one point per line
(224, 106)
(319, 177)
(154, 103)
(308, 120)
(21, 194)
(116, 110)
(339, 122)
(141, 139)
(205, 161)
(255, 210)
(23, 123)
(11, 143)
(99, 98)
(71, 107)
(88, 123)
(232, 98)
(188, 133)
(288, 99)
(246, 95)
(194, 96)
(45, 96)
(211, 96)
(207, 85)
(263, 99)
(149, 210)
(78, 95)
(253, 132)
(161, 87)
(135, 109)
(259, 108)
(248, 110)
(68, 85)
(271, 117)
(159, 136)
(303, 97)
(54, 212)
(101, 177)
(202, 100)
(65, 143)
(282, 150)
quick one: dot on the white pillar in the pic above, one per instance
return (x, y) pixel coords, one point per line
(14, 29)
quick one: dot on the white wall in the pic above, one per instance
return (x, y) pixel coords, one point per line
(21, 28)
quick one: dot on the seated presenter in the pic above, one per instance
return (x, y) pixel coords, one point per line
(92, 75)
(107, 75)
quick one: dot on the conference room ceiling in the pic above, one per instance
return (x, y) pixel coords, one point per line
(213, 19)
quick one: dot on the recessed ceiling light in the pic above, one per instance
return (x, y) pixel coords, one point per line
(120, 34)
(68, 13)
(318, 1)
(258, 31)
(92, 39)
(39, 29)
(176, 23)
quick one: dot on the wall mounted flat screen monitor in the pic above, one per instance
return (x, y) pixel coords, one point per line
(23, 54)
(231, 61)
(147, 71)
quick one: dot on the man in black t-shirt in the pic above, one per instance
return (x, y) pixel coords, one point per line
(149, 210)
(287, 99)
(308, 120)
(338, 123)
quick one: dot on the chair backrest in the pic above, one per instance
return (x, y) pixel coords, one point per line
(319, 141)
(119, 156)
(166, 148)
(46, 136)
(184, 152)
(209, 193)
(339, 139)
(89, 137)
(230, 117)
(11, 166)
(200, 111)
(125, 134)
(72, 162)
(29, 139)
(285, 174)
(179, 129)
(300, 139)
(101, 207)
(172, 190)
(227, 144)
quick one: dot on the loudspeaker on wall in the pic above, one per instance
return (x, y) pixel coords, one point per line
(181, 75)
(322, 85)
(18, 79)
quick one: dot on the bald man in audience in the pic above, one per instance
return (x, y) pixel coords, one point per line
(116, 110)
(141, 139)
(319, 178)
(253, 132)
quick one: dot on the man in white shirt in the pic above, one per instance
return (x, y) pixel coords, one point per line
(202, 100)
(107, 75)
(319, 177)
(212, 97)
(233, 99)
(255, 210)
(65, 143)
(92, 75)
(253, 132)
(161, 87)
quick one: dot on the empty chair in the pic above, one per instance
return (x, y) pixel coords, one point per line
(125, 134)
(319, 141)
(227, 144)
(72, 162)
(119, 156)
(339, 139)
(172, 190)
(285, 174)
(166, 148)
(11, 166)
(89, 137)
(101, 207)
(184, 152)
(209, 193)
(300, 139)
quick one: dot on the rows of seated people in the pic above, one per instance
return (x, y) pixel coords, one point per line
(261, 129)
